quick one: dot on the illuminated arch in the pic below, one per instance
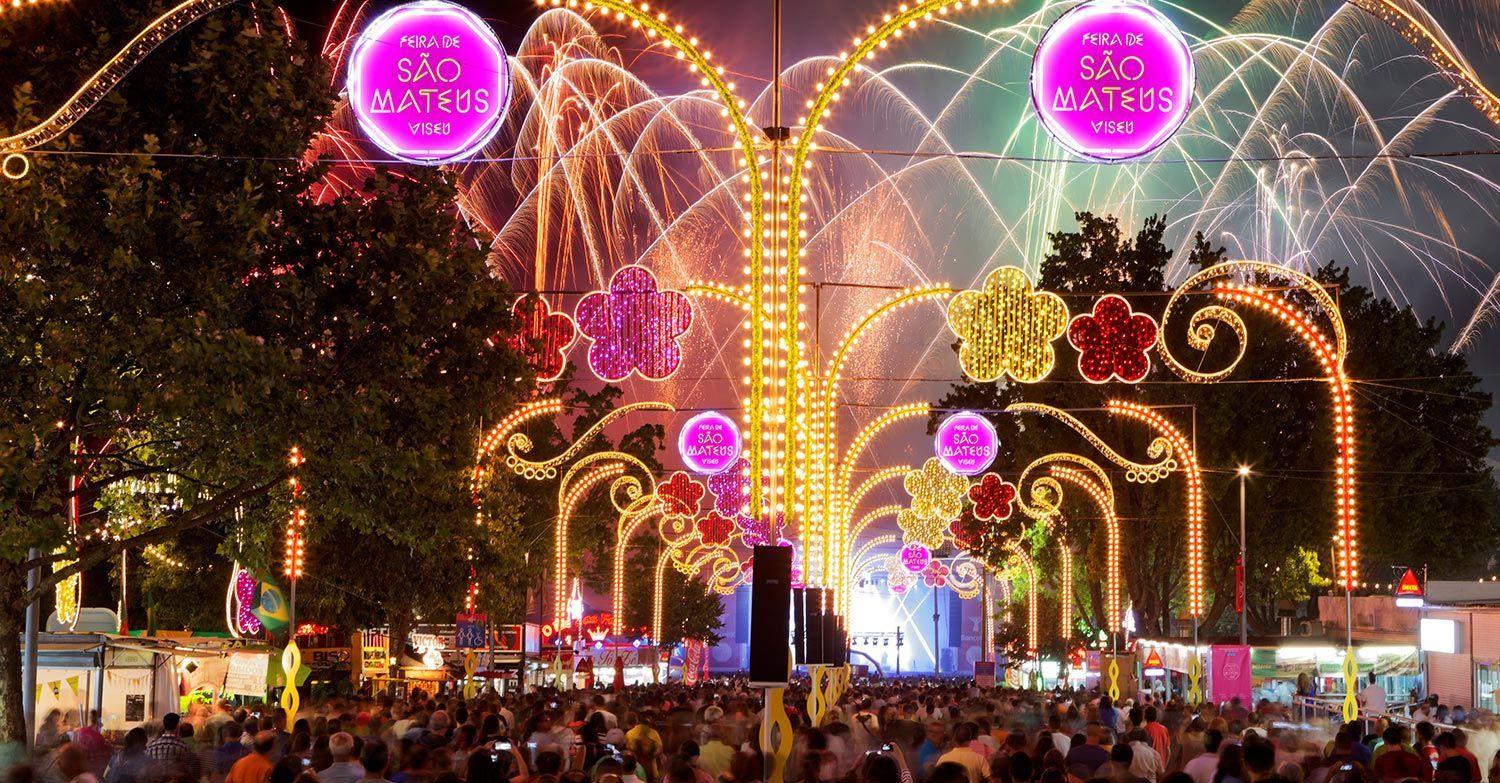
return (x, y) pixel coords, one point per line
(1102, 495)
(1019, 553)
(1300, 306)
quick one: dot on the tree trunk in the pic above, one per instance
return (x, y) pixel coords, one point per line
(13, 727)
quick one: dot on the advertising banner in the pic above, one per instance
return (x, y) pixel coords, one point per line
(1229, 673)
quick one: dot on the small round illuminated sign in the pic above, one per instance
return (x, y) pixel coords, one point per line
(429, 82)
(1112, 79)
(915, 557)
(966, 443)
(709, 443)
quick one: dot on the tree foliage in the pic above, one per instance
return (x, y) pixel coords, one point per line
(177, 312)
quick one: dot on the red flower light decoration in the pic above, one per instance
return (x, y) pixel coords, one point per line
(634, 326)
(965, 531)
(715, 530)
(680, 494)
(1112, 341)
(936, 574)
(542, 336)
(992, 497)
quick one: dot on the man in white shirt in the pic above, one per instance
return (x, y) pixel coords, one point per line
(1372, 698)
(1146, 764)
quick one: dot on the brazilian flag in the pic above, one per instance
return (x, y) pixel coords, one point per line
(272, 609)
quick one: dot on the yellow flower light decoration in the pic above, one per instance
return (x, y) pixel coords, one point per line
(927, 531)
(935, 492)
(1007, 328)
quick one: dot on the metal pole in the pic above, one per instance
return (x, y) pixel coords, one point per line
(776, 64)
(984, 619)
(937, 660)
(28, 661)
(1244, 564)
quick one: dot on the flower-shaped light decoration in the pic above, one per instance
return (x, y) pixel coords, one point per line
(1007, 328)
(542, 336)
(935, 492)
(680, 495)
(1112, 341)
(634, 326)
(936, 574)
(897, 577)
(731, 488)
(966, 531)
(765, 531)
(917, 529)
(992, 497)
(715, 529)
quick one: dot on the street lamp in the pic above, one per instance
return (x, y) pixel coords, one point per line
(1244, 473)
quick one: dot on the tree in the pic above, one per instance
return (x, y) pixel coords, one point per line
(176, 310)
(690, 609)
(1421, 437)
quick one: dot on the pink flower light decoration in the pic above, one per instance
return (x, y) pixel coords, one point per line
(936, 574)
(992, 497)
(731, 488)
(542, 336)
(634, 326)
(680, 494)
(1112, 341)
(763, 532)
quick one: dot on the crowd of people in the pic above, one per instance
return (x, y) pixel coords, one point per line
(887, 731)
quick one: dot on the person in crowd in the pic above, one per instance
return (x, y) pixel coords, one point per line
(345, 767)
(963, 754)
(1231, 767)
(1397, 761)
(168, 754)
(128, 765)
(1085, 760)
(229, 751)
(1161, 738)
(73, 765)
(1201, 768)
(256, 766)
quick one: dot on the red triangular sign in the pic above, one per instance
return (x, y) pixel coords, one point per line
(1409, 585)
(1153, 661)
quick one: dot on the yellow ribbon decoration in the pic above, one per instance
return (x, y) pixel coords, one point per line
(776, 735)
(471, 663)
(1195, 673)
(291, 661)
(816, 695)
(1114, 679)
(1351, 680)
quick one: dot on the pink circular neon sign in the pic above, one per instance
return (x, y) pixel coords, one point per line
(915, 557)
(429, 82)
(1112, 79)
(709, 443)
(966, 443)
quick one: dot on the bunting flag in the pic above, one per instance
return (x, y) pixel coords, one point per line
(73, 684)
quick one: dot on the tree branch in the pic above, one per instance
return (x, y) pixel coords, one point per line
(200, 514)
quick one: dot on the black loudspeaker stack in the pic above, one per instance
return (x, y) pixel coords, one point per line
(770, 616)
(819, 635)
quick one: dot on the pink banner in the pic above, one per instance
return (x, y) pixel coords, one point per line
(1229, 673)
